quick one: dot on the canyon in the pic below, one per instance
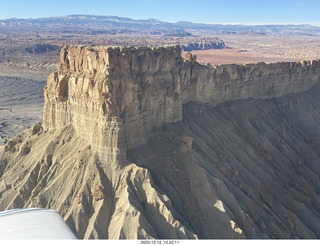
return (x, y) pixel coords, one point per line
(138, 142)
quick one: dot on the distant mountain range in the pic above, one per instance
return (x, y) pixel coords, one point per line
(91, 24)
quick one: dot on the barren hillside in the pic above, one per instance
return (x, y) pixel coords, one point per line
(242, 169)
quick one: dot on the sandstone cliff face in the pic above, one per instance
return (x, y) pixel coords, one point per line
(115, 96)
(119, 92)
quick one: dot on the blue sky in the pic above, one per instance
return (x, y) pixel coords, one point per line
(201, 11)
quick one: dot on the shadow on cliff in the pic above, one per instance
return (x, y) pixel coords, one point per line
(169, 157)
(246, 167)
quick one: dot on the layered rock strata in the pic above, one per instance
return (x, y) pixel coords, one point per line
(115, 96)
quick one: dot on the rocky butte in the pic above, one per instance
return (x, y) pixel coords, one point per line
(115, 96)
(141, 143)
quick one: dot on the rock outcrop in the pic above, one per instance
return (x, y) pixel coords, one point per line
(140, 143)
(115, 96)
(203, 45)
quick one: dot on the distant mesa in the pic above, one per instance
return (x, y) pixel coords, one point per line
(204, 45)
(178, 33)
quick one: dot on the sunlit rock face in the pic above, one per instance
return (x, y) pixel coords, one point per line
(115, 96)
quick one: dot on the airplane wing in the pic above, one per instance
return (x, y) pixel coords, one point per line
(33, 223)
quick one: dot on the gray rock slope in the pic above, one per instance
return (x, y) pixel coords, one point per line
(253, 161)
(242, 169)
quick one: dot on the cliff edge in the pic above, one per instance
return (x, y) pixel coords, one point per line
(115, 96)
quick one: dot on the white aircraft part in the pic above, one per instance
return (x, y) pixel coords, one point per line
(33, 223)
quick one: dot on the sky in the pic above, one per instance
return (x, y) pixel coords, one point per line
(199, 11)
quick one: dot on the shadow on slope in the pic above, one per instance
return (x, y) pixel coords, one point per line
(243, 169)
(250, 166)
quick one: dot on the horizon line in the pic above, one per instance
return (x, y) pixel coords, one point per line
(258, 23)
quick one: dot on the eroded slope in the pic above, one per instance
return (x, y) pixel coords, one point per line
(243, 169)
(59, 170)
(254, 163)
